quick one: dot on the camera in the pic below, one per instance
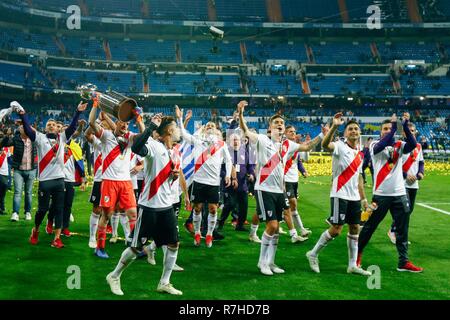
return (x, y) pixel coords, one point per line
(216, 33)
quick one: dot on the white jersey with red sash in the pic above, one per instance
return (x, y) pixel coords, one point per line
(209, 154)
(270, 165)
(158, 165)
(134, 161)
(4, 154)
(291, 167)
(69, 165)
(50, 154)
(346, 167)
(177, 160)
(411, 165)
(387, 166)
(97, 147)
(116, 157)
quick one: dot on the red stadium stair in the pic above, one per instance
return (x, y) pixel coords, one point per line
(212, 12)
(305, 85)
(60, 44)
(107, 50)
(145, 8)
(84, 7)
(177, 52)
(310, 54)
(243, 52)
(413, 11)
(273, 8)
(375, 52)
(343, 10)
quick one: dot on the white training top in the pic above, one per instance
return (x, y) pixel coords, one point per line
(4, 154)
(134, 161)
(177, 161)
(69, 165)
(157, 191)
(209, 154)
(346, 168)
(98, 161)
(269, 163)
(412, 160)
(50, 156)
(291, 167)
(116, 162)
(387, 169)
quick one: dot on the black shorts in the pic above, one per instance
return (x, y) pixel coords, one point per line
(96, 193)
(270, 206)
(292, 190)
(345, 211)
(157, 224)
(202, 193)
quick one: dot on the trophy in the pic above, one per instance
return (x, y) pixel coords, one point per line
(111, 102)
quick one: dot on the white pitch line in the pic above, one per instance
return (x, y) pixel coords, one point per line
(445, 203)
(432, 208)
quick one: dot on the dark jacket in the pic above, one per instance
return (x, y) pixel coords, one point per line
(16, 142)
(246, 168)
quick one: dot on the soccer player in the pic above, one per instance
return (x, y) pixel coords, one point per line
(293, 166)
(50, 149)
(209, 152)
(269, 187)
(116, 187)
(413, 171)
(389, 191)
(107, 124)
(156, 218)
(347, 193)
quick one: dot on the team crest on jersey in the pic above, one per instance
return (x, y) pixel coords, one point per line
(106, 199)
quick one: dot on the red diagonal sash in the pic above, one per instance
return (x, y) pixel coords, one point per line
(350, 171)
(67, 155)
(409, 162)
(48, 157)
(386, 169)
(113, 154)
(290, 162)
(97, 163)
(206, 154)
(3, 157)
(161, 177)
(273, 162)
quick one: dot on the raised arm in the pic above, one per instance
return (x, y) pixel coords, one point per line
(411, 142)
(388, 139)
(92, 117)
(184, 133)
(29, 131)
(141, 139)
(74, 124)
(187, 118)
(314, 142)
(253, 137)
(89, 135)
(104, 116)
(327, 143)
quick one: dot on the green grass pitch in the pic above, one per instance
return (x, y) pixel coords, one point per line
(228, 269)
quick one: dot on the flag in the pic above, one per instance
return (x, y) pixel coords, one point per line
(187, 165)
(78, 161)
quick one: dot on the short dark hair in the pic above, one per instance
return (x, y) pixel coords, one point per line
(349, 123)
(165, 122)
(276, 116)
(385, 122)
(289, 126)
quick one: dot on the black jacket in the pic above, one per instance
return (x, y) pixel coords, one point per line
(19, 146)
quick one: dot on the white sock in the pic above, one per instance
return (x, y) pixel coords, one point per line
(293, 233)
(265, 243)
(126, 259)
(93, 223)
(170, 258)
(253, 229)
(212, 219)
(125, 224)
(273, 249)
(197, 221)
(352, 244)
(115, 223)
(325, 237)
(297, 220)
